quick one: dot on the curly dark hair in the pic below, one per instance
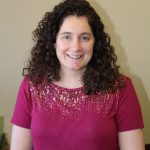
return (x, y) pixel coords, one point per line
(102, 73)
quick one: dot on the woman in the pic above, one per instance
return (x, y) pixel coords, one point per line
(73, 96)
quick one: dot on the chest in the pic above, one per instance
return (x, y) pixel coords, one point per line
(71, 119)
(88, 130)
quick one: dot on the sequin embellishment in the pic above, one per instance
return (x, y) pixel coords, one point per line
(71, 102)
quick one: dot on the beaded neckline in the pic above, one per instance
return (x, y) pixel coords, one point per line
(65, 88)
(71, 102)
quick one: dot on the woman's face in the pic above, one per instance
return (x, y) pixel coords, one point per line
(74, 43)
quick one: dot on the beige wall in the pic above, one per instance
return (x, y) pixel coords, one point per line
(127, 22)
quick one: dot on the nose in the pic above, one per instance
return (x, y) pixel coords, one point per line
(76, 44)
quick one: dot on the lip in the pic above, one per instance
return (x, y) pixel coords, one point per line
(74, 56)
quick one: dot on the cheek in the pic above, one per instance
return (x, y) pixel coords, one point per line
(60, 46)
(89, 48)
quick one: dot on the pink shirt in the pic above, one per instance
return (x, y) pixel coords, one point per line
(67, 119)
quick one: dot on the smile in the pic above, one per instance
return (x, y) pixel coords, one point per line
(74, 56)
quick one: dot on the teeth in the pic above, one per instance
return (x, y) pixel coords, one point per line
(74, 56)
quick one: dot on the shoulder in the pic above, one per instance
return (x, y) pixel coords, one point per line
(127, 94)
(129, 114)
(128, 85)
(25, 86)
(27, 83)
(34, 89)
(127, 80)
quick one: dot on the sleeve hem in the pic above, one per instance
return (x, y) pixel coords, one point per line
(131, 128)
(20, 124)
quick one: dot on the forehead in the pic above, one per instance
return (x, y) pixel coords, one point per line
(75, 23)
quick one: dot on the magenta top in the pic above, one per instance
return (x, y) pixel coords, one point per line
(67, 119)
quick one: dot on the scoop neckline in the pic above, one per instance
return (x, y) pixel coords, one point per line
(65, 88)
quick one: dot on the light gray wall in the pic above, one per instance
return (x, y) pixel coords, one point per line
(127, 22)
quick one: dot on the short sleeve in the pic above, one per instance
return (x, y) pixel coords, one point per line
(22, 111)
(129, 115)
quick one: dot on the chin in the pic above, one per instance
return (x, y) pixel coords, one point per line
(77, 68)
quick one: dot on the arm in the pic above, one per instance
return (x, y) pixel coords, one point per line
(20, 139)
(131, 140)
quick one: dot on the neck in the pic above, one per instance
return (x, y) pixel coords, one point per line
(70, 78)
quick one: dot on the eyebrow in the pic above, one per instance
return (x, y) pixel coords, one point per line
(65, 33)
(84, 33)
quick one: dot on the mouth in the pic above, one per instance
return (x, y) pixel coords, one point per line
(74, 56)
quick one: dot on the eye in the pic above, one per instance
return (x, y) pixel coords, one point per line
(66, 37)
(85, 37)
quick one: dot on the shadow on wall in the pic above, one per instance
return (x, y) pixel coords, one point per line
(125, 68)
(145, 105)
